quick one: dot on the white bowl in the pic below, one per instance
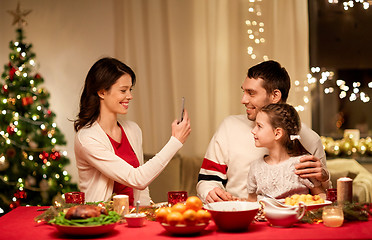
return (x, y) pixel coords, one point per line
(135, 220)
(233, 216)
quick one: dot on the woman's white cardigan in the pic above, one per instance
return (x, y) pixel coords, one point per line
(99, 167)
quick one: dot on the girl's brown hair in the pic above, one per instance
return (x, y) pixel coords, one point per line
(285, 116)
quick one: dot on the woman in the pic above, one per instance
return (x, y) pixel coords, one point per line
(109, 154)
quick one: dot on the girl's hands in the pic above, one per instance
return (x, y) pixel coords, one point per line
(182, 130)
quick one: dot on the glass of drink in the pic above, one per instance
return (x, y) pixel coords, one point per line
(75, 197)
(332, 194)
(177, 196)
(333, 216)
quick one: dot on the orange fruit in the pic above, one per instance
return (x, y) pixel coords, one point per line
(203, 216)
(189, 217)
(194, 203)
(179, 207)
(174, 218)
(162, 213)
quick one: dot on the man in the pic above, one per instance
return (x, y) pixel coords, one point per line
(223, 174)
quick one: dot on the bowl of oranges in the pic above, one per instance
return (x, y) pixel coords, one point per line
(184, 218)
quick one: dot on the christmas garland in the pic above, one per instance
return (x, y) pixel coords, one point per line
(352, 212)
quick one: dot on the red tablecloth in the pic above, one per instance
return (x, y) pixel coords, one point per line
(19, 224)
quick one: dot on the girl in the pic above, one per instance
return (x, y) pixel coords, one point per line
(109, 154)
(277, 127)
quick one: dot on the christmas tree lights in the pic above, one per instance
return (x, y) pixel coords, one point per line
(31, 165)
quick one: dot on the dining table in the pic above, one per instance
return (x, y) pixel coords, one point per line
(19, 224)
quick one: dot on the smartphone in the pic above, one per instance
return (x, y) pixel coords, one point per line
(182, 109)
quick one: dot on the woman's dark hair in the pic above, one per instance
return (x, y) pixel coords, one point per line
(285, 116)
(102, 75)
(274, 76)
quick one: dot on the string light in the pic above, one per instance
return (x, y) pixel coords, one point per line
(255, 30)
(341, 84)
(350, 3)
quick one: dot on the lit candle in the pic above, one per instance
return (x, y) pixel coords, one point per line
(344, 190)
(333, 216)
(121, 204)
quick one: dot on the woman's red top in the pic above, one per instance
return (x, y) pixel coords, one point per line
(125, 151)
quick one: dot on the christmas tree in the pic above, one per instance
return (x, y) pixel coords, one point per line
(31, 166)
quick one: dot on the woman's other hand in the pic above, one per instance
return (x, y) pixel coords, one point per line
(182, 129)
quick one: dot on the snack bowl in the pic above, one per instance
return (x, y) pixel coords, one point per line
(233, 216)
(135, 219)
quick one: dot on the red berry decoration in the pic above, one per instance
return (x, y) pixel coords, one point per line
(15, 204)
(20, 194)
(11, 73)
(10, 130)
(27, 101)
(5, 89)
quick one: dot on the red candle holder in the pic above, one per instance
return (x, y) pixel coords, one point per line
(176, 197)
(75, 197)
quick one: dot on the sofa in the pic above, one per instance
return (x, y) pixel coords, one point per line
(181, 174)
(362, 178)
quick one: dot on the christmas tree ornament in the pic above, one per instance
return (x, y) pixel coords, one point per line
(24, 155)
(15, 204)
(11, 152)
(27, 100)
(4, 163)
(5, 89)
(55, 155)
(20, 194)
(11, 101)
(37, 76)
(10, 129)
(11, 73)
(336, 148)
(18, 16)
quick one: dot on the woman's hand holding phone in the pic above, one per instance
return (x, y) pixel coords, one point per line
(181, 128)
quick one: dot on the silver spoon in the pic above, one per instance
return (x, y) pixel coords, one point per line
(137, 207)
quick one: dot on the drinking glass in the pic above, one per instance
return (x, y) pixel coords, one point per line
(176, 196)
(332, 194)
(75, 197)
(333, 216)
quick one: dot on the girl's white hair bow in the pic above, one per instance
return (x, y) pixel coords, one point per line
(293, 137)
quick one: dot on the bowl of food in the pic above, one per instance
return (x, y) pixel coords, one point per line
(85, 220)
(135, 219)
(184, 218)
(312, 202)
(233, 216)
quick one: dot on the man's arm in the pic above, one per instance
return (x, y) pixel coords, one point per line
(212, 176)
(314, 165)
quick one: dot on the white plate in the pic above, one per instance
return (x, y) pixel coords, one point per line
(312, 206)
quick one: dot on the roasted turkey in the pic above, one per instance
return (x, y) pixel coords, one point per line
(85, 211)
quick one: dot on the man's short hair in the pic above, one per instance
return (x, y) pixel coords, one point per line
(274, 75)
